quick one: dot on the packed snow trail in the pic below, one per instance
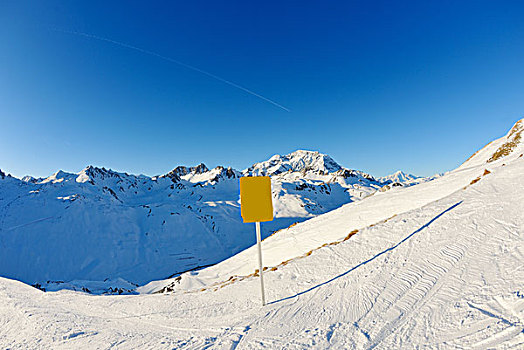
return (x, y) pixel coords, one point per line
(446, 275)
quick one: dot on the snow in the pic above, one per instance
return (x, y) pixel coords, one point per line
(295, 162)
(333, 226)
(444, 275)
(485, 154)
(398, 177)
(100, 224)
(434, 265)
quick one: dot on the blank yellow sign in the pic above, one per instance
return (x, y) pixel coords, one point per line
(255, 199)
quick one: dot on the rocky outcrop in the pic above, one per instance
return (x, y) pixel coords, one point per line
(513, 140)
(176, 174)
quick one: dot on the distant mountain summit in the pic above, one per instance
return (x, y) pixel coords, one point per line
(29, 178)
(298, 161)
(183, 170)
(398, 177)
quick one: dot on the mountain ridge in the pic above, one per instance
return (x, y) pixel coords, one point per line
(101, 224)
(300, 160)
(141, 228)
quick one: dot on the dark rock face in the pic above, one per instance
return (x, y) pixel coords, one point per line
(199, 169)
(101, 173)
(350, 173)
(181, 170)
(224, 173)
(301, 186)
(29, 179)
(369, 177)
(2, 174)
(230, 173)
(175, 174)
(346, 173)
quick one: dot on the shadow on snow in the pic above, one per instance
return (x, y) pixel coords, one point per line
(370, 259)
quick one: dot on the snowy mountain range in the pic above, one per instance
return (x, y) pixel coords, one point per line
(433, 265)
(436, 265)
(102, 225)
(381, 205)
(99, 224)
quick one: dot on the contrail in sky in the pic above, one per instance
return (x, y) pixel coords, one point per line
(147, 52)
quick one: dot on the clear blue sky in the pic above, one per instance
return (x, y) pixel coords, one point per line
(380, 86)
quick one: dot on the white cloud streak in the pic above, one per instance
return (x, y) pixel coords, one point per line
(188, 66)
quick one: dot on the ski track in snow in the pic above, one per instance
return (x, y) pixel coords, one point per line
(446, 274)
(432, 277)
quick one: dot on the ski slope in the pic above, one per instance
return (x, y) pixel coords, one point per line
(436, 265)
(333, 226)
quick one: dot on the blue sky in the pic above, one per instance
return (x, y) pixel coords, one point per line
(379, 86)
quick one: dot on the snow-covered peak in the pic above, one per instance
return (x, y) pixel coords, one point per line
(212, 176)
(91, 173)
(174, 174)
(199, 169)
(298, 161)
(344, 173)
(398, 177)
(59, 176)
(225, 173)
(29, 178)
(181, 170)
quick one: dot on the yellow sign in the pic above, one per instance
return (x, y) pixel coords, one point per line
(255, 199)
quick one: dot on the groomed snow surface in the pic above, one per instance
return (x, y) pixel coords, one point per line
(436, 265)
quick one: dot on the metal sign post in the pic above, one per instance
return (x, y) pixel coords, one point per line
(260, 266)
(256, 206)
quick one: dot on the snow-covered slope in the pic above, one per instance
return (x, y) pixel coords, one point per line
(99, 224)
(437, 265)
(285, 244)
(504, 149)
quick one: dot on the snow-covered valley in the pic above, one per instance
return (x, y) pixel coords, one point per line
(437, 263)
(77, 230)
